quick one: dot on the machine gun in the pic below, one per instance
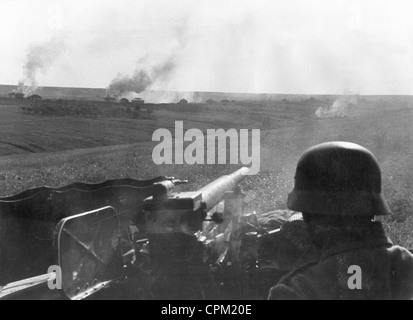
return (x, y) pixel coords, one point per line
(172, 245)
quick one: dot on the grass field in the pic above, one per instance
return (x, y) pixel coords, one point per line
(55, 151)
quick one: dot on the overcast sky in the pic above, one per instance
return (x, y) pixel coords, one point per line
(291, 46)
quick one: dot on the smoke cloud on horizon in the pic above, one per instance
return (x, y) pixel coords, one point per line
(342, 107)
(123, 86)
(296, 46)
(39, 59)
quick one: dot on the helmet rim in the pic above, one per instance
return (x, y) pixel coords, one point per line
(338, 178)
(360, 203)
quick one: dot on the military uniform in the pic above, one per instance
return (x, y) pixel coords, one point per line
(338, 190)
(386, 272)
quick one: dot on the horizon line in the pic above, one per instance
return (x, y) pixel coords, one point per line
(229, 92)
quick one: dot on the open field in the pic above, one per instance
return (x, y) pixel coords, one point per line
(55, 151)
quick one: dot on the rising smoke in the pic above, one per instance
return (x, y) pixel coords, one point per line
(39, 59)
(151, 71)
(125, 86)
(342, 107)
(138, 82)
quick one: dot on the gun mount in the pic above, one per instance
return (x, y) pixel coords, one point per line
(143, 232)
(131, 239)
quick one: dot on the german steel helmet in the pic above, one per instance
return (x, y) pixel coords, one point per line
(338, 178)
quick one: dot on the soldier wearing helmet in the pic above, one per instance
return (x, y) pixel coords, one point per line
(338, 190)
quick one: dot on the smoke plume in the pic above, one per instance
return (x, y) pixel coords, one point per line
(152, 70)
(339, 109)
(39, 58)
(138, 82)
(125, 86)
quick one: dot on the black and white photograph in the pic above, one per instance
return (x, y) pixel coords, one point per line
(206, 155)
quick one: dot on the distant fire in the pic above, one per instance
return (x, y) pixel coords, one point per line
(339, 109)
(39, 58)
(130, 86)
(27, 90)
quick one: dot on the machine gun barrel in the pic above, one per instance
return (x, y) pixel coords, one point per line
(214, 192)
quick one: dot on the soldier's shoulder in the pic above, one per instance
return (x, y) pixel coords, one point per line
(401, 273)
(298, 284)
(402, 260)
(401, 253)
(284, 292)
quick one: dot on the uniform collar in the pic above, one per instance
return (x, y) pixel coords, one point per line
(340, 242)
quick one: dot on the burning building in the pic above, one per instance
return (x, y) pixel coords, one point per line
(140, 81)
(138, 101)
(16, 95)
(34, 97)
(210, 101)
(40, 57)
(109, 99)
(24, 91)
